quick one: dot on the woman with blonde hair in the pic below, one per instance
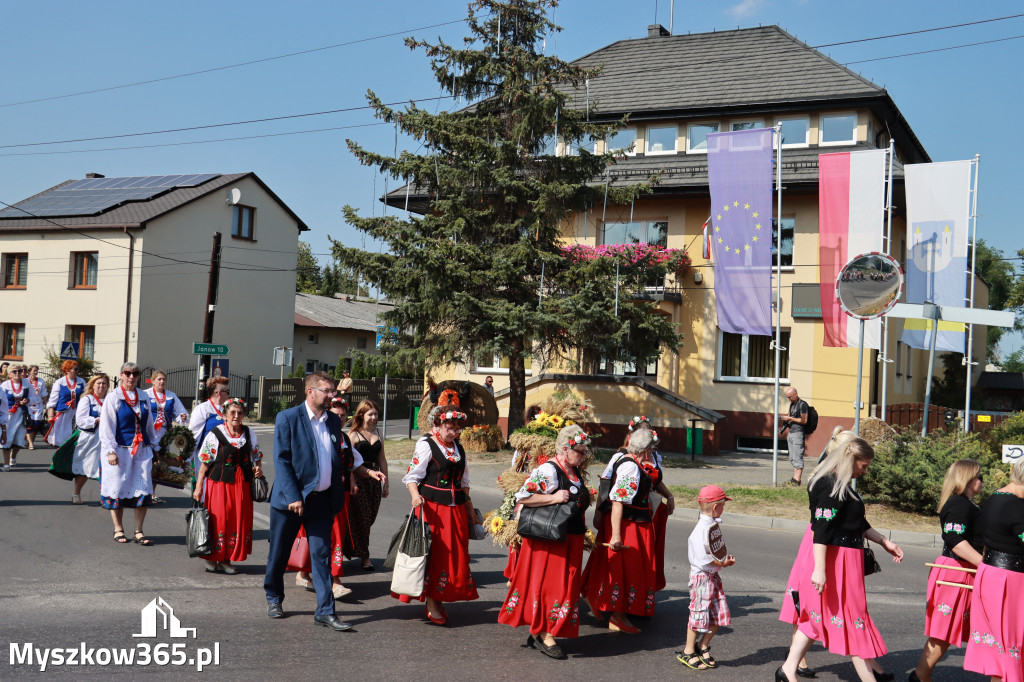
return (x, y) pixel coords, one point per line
(36, 407)
(18, 394)
(87, 459)
(366, 502)
(997, 610)
(63, 402)
(947, 610)
(833, 604)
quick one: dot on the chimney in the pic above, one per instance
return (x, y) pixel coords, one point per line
(657, 31)
(95, 175)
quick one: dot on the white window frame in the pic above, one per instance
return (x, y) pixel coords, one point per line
(837, 143)
(785, 268)
(707, 124)
(807, 136)
(624, 150)
(647, 140)
(758, 123)
(744, 359)
(495, 368)
(314, 339)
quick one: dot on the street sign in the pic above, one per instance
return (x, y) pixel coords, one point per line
(200, 348)
(283, 356)
(221, 367)
(984, 417)
(68, 350)
(1011, 453)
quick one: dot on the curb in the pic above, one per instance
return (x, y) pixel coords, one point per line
(900, 537)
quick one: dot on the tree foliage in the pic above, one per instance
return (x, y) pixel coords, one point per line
(328, 280)
(482, 270)
(998, 272)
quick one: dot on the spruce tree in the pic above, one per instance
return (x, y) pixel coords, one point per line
(484, 270)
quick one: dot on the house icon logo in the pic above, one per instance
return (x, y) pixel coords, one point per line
(157, 617)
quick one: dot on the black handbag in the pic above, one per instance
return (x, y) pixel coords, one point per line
(550, 522)
(870, 565)
(197, 530)
(260, 489)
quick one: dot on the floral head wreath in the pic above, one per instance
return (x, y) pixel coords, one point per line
(654, 436)
(580, 438)
(339, 402)
(637, 421)
(235, 401)
(451, 415)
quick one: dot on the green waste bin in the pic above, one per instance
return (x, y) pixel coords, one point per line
(695, 436)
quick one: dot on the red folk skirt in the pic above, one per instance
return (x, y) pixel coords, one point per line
(545, 590)
(510, 565)
(448, 577)
(230, 506)
(624, 581)
(660, 522)
(338, 530)
(997, 624)
(804, 562)
(838, 617)
(948, 610)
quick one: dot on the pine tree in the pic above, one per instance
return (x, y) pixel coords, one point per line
(467, 276)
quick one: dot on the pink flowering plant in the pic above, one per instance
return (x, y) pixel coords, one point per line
(642, 257)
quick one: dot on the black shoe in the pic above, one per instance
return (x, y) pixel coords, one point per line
(884, 677)
(912, 677)
(530, 642)
(780, 676)
(552, 650)
(332, 622)
(801, 671)
(275, 611)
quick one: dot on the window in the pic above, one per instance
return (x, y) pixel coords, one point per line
(786, 251)
(622, 141)
(742, 357)
(662, 139)
(15, 270)
(314, 339)
(548, 146)
(746, 125)
(496, 362)
(626, 368)
(361, 343)
(85, 337)
(14, 342)
(311, 366)
(697, 137)
(243, 222)
(796, 131)
(586, 144)
(83, 269)
(641, 232)
(838, 129)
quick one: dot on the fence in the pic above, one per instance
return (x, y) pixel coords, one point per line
(402, 394)
(909, 414)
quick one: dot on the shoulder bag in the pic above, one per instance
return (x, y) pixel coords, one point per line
(411, 562)
(550, 522)
(260, 489)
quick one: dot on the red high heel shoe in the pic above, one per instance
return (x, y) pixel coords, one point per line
(616, 625)
(436, 621)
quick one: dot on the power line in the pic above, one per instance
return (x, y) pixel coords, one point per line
(229, 66)
(923, 30)
(938, 49)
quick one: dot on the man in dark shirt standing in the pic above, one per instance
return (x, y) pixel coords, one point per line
(796, 419)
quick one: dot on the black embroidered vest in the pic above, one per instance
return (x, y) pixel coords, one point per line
(640, 508)
(230, 458)
(443, 481)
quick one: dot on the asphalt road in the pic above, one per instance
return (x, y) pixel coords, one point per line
(66, 584)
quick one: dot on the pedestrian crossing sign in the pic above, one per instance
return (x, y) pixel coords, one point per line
(68, 350)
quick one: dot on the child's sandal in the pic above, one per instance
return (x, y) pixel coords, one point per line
(705, 655)
(692, 661)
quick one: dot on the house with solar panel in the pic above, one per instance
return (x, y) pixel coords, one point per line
(676, 90)
(121, 266)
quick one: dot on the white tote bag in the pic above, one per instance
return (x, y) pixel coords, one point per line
(407, 578)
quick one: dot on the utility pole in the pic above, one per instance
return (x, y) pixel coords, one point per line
(211, 307)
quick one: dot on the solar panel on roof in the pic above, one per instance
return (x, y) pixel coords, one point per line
(93, 196)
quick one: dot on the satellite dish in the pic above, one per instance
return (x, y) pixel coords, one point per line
(234, 196)
(869, 285)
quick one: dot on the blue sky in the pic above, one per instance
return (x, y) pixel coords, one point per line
(960, 102)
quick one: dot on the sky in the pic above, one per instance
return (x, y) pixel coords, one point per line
(960, 102)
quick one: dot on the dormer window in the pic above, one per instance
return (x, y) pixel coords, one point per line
(622, 141)
(662, 139)
(796, 131)
(838, 129)
(697, 137)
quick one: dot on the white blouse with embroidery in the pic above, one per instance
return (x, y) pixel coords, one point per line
(626, 483)
(208, 452)
(543, 480)
(421, 458)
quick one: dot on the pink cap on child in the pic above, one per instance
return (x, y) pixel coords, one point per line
(712, 493)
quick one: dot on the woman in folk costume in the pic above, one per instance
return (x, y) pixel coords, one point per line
(87, 458)
(997, 610)
(438, 482)
(207, 415)
(621, 574)
(947, 616)
(63, 402)
(833, 603)
(547, 577)
(230, 458)
(18, 394)
(36, 405)
(166, 408)
(126, 441)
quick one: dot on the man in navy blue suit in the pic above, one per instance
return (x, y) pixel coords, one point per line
(308, 491)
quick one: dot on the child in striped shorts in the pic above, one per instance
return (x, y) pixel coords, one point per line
(708, 555)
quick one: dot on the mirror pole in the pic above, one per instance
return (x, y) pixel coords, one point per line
(928, 378)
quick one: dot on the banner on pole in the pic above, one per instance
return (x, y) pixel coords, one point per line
(740, 180)
(938, 212)
(851, 205)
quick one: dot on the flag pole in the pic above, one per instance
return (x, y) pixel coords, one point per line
(778, 299)
(884, 359)
(973, 246)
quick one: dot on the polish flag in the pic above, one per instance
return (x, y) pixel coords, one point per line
(851, 205)
(706, 240)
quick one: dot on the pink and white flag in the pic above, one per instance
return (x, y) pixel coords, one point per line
(851, 205)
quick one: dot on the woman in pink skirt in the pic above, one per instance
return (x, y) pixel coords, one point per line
(833, 604)
(947, 613)
(997, 610)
